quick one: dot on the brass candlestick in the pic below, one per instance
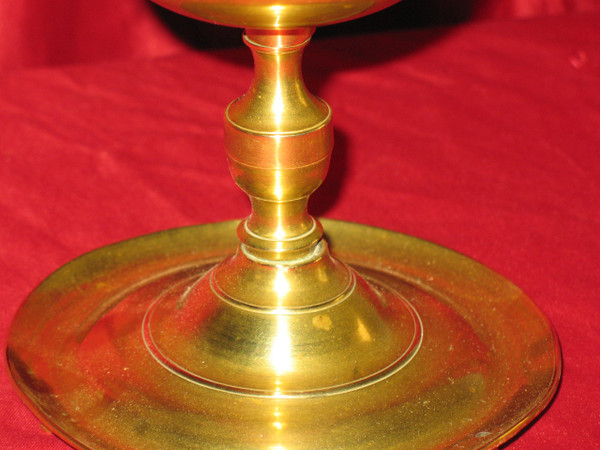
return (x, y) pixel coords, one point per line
(190, 338)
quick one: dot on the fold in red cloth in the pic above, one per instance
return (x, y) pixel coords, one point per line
(482, 137)
(38, 33)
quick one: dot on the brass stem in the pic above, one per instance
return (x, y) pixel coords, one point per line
(279, 140)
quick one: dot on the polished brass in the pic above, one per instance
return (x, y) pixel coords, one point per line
(194, 339)
(290, 311)
(266, 14)
(488, 360)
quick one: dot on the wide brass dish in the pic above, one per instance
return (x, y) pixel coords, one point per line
(484, 360)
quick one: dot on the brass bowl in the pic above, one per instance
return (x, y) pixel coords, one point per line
(265, 14)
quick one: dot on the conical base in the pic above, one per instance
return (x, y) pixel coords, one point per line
(260, 330)
(124, 348)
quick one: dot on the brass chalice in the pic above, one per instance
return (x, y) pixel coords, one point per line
(193, 338)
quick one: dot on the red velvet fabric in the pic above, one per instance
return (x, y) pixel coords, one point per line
(532, 8)
(482, 137)
(41, 32)
(38, 33)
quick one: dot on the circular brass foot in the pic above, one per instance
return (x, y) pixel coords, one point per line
(357, 338)
(134, 346)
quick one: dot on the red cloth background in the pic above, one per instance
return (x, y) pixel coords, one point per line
(38, 33)
(482, 137)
